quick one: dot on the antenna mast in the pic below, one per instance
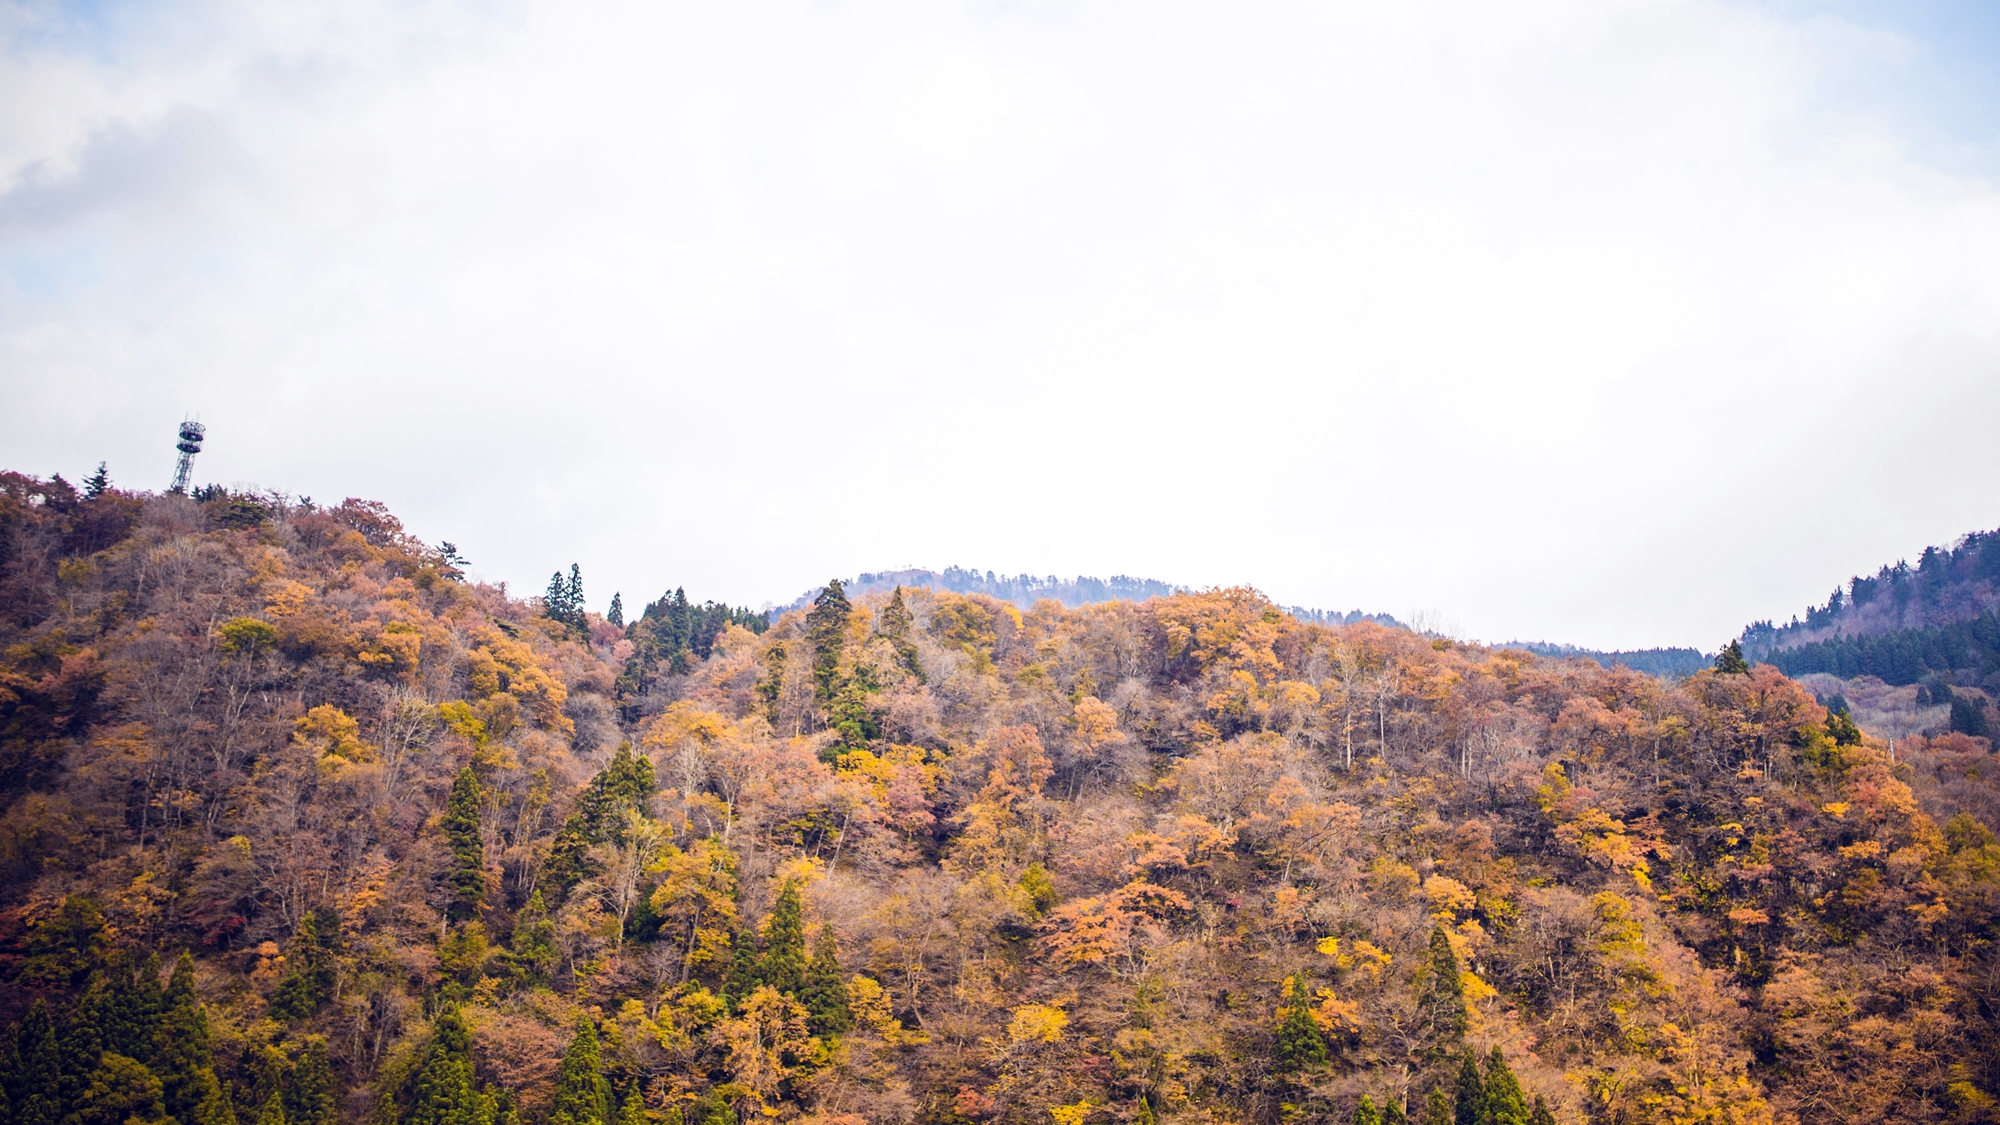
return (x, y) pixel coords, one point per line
(189, 445)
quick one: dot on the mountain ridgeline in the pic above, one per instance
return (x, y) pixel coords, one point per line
(1903, 625)
(298, 826)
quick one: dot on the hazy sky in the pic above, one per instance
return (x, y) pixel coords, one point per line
(1617, 323)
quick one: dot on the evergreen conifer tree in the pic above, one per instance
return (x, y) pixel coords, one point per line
(783, 965)
(97, 483)
(633, 1112)
(533, 945)
(1366, 1113)
(583, 1097)
(40, 1082)
(1540, 1115)
(1469, 1099)
(468, 851)
(1441, 999)
(82, 1045)
(444, 1092)
(1504, 1103)
(273, 1110)
(213, 1107)
(574, 596)
(1392, 1112)
(298, 994)
(895, 624)
(742, 978)
(616, 614)
(824, 993)
(10, 1066)
(266, 1072)
(1300, 1045)
(826, 628)
(180, 1043)
(1730, 661)
(309, 1097)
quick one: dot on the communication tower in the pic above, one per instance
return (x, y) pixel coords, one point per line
(189, 445)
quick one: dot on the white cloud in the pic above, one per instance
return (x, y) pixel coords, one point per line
(1598, 322)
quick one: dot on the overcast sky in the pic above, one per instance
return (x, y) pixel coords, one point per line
(1616, 323)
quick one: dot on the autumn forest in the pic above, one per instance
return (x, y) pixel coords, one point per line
(299, 826)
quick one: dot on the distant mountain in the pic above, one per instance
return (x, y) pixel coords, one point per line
(1024, 590)
(1676, 663)
(1940, 618)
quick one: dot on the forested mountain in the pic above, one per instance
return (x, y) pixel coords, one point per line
(1674, 662)
(1941, 618)
(299, 827)
(1022, 590)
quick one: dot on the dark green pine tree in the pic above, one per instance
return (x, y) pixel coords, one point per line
(39, 1087)
(1730, 660)
(265, 1072)
(10, 1069)
(309, 1096)
(1469, 1099)
(1441, 998)
(742, 978)
(468, 850)
(824, 993)
(616, 614)
(1366, 1113)
(273, 1110)
(214, 1108)
(1540, 1115)
(555, 603)
(298, 993)
(826, 628)
(895, 624)
(624, 784)
(533, 945)
(1504, 1104)
(574, 596)
(634, 1110)
(1392, 1112)
(444, 1092)
(180, 1044)
(1437, 1107)
(121, 1091)
(783, 965)
(583, 1097)
(1300, 1045)
(82, 1045)
(97, 483)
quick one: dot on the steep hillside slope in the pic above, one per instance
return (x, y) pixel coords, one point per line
(422, 853)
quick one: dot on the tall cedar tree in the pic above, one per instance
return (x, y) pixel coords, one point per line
(1442, 998)
(444, 1090)
(824, 993)
(1504, 1103)
(82, 1047)
(1540, 1115)
(599, 817)
(1366, 1113)
(273, 1111)
(41, 1070)
(97, 483)
(583, 1097)
(180, 1044)
(310, 1097)
(826, 628)
(1469, 1100)
(1300, 1045)
(1392, 1112)
(743, 976)
(783, 965)
(895, 625)
(616, 613)
(633, 1112)
(308, 978)
(468, 851)
(1730, 660)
